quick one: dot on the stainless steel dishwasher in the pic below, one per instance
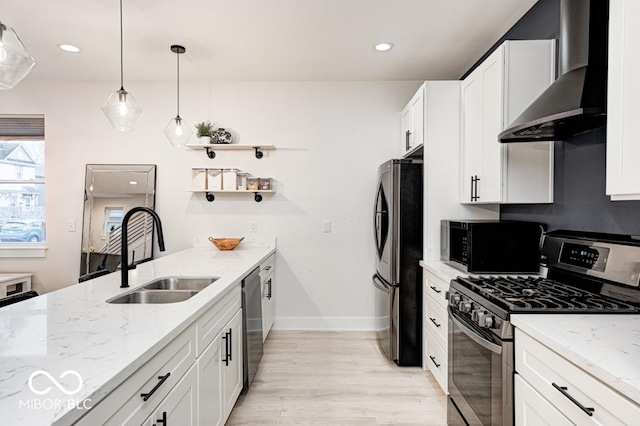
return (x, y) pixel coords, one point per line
(252, 325)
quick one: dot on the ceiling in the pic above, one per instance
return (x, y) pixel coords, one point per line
(260, 39)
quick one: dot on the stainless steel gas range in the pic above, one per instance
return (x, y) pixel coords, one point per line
(587, 273)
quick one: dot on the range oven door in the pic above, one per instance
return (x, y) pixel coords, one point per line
(480, 375)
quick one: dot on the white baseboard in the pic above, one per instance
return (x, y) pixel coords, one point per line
(326, 323)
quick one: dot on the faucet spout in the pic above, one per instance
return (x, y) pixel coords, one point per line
(124, 258)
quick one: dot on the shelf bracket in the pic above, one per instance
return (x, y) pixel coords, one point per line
(258, 196)
(211, 154)
(210, 197)
(259, 154)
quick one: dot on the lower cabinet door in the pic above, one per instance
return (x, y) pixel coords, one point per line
(532, 409)
(231, 338)
(180, 407)
(210, 364)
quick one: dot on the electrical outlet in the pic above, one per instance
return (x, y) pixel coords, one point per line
(71, 226)
(326, 226)
(253, 227)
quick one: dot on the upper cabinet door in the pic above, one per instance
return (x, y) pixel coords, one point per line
(470, 150)
(495, 94)
(490, 184)
(413, 124)
(623, 106)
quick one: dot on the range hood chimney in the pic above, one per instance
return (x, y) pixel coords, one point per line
(577, 100)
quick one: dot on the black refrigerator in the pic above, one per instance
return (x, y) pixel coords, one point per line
(398, 217)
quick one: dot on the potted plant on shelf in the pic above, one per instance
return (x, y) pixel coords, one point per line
(204, 130)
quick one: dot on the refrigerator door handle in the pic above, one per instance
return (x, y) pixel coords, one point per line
(380, 284)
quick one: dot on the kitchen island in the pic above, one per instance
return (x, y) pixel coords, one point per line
(75, 329)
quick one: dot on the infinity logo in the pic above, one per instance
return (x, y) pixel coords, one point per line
(55, 382)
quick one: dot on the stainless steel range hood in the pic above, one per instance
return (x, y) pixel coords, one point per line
(577, 100)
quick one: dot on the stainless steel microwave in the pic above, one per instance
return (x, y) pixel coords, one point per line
(492, 247)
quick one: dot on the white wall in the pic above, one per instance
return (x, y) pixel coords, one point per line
(330, 138)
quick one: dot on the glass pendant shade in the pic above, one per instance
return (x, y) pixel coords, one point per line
(178, 131)
(15, 60)
(122, 110)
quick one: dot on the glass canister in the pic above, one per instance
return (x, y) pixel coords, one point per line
(198, 179)
(253, 183)
(265, 184)
(242, 181)
(214, 181)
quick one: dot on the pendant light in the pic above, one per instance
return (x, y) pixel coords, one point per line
(178, 131)
(121, 109)
(15, 60)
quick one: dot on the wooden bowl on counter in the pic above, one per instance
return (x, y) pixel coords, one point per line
(226, 243)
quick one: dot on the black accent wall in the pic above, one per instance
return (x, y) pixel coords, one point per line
(580, 202)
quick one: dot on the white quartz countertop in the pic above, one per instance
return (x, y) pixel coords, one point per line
(606, 346)
(442, 270)
(75, 329)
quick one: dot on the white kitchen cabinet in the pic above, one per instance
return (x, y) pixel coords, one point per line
(412, 137)
(494, 95)
(220, 377)
(210, 408)
(267, 278)
(137, 397)
(623, 101)
(435, 326)
(531, 409)
(231, 337)
(180, 407)
(575, 394)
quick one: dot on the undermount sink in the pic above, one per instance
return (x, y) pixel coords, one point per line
(180, 283)
(166, 290)
(154, 296)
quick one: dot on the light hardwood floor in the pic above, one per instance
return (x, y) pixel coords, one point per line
(336, 378)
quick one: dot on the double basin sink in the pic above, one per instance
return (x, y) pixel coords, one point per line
(165, 290)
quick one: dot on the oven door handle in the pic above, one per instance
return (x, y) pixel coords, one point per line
(496, 349)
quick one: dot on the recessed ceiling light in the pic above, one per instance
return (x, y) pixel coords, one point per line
(383, 47)
(133, 182)
(69, 48)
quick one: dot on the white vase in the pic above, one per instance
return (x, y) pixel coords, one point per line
(204, 139)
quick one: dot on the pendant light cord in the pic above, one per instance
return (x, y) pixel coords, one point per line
(121, 51)
(178, 82)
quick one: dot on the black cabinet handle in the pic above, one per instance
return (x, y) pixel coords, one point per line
(473, 179)
(226, 348)
(433, 320)
(563, 390)
(230, 344)
(433, 359)
(146, 396)
(163, 420)
(269, 293)
(476, 196)
(407, 140)
(434, 288)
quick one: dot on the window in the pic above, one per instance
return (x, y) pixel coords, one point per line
(112, 219)
(22, 181)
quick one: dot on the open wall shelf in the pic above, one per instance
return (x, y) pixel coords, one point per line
(210, 193)
(210, 148)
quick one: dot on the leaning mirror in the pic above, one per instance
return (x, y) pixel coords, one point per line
(110, 191)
